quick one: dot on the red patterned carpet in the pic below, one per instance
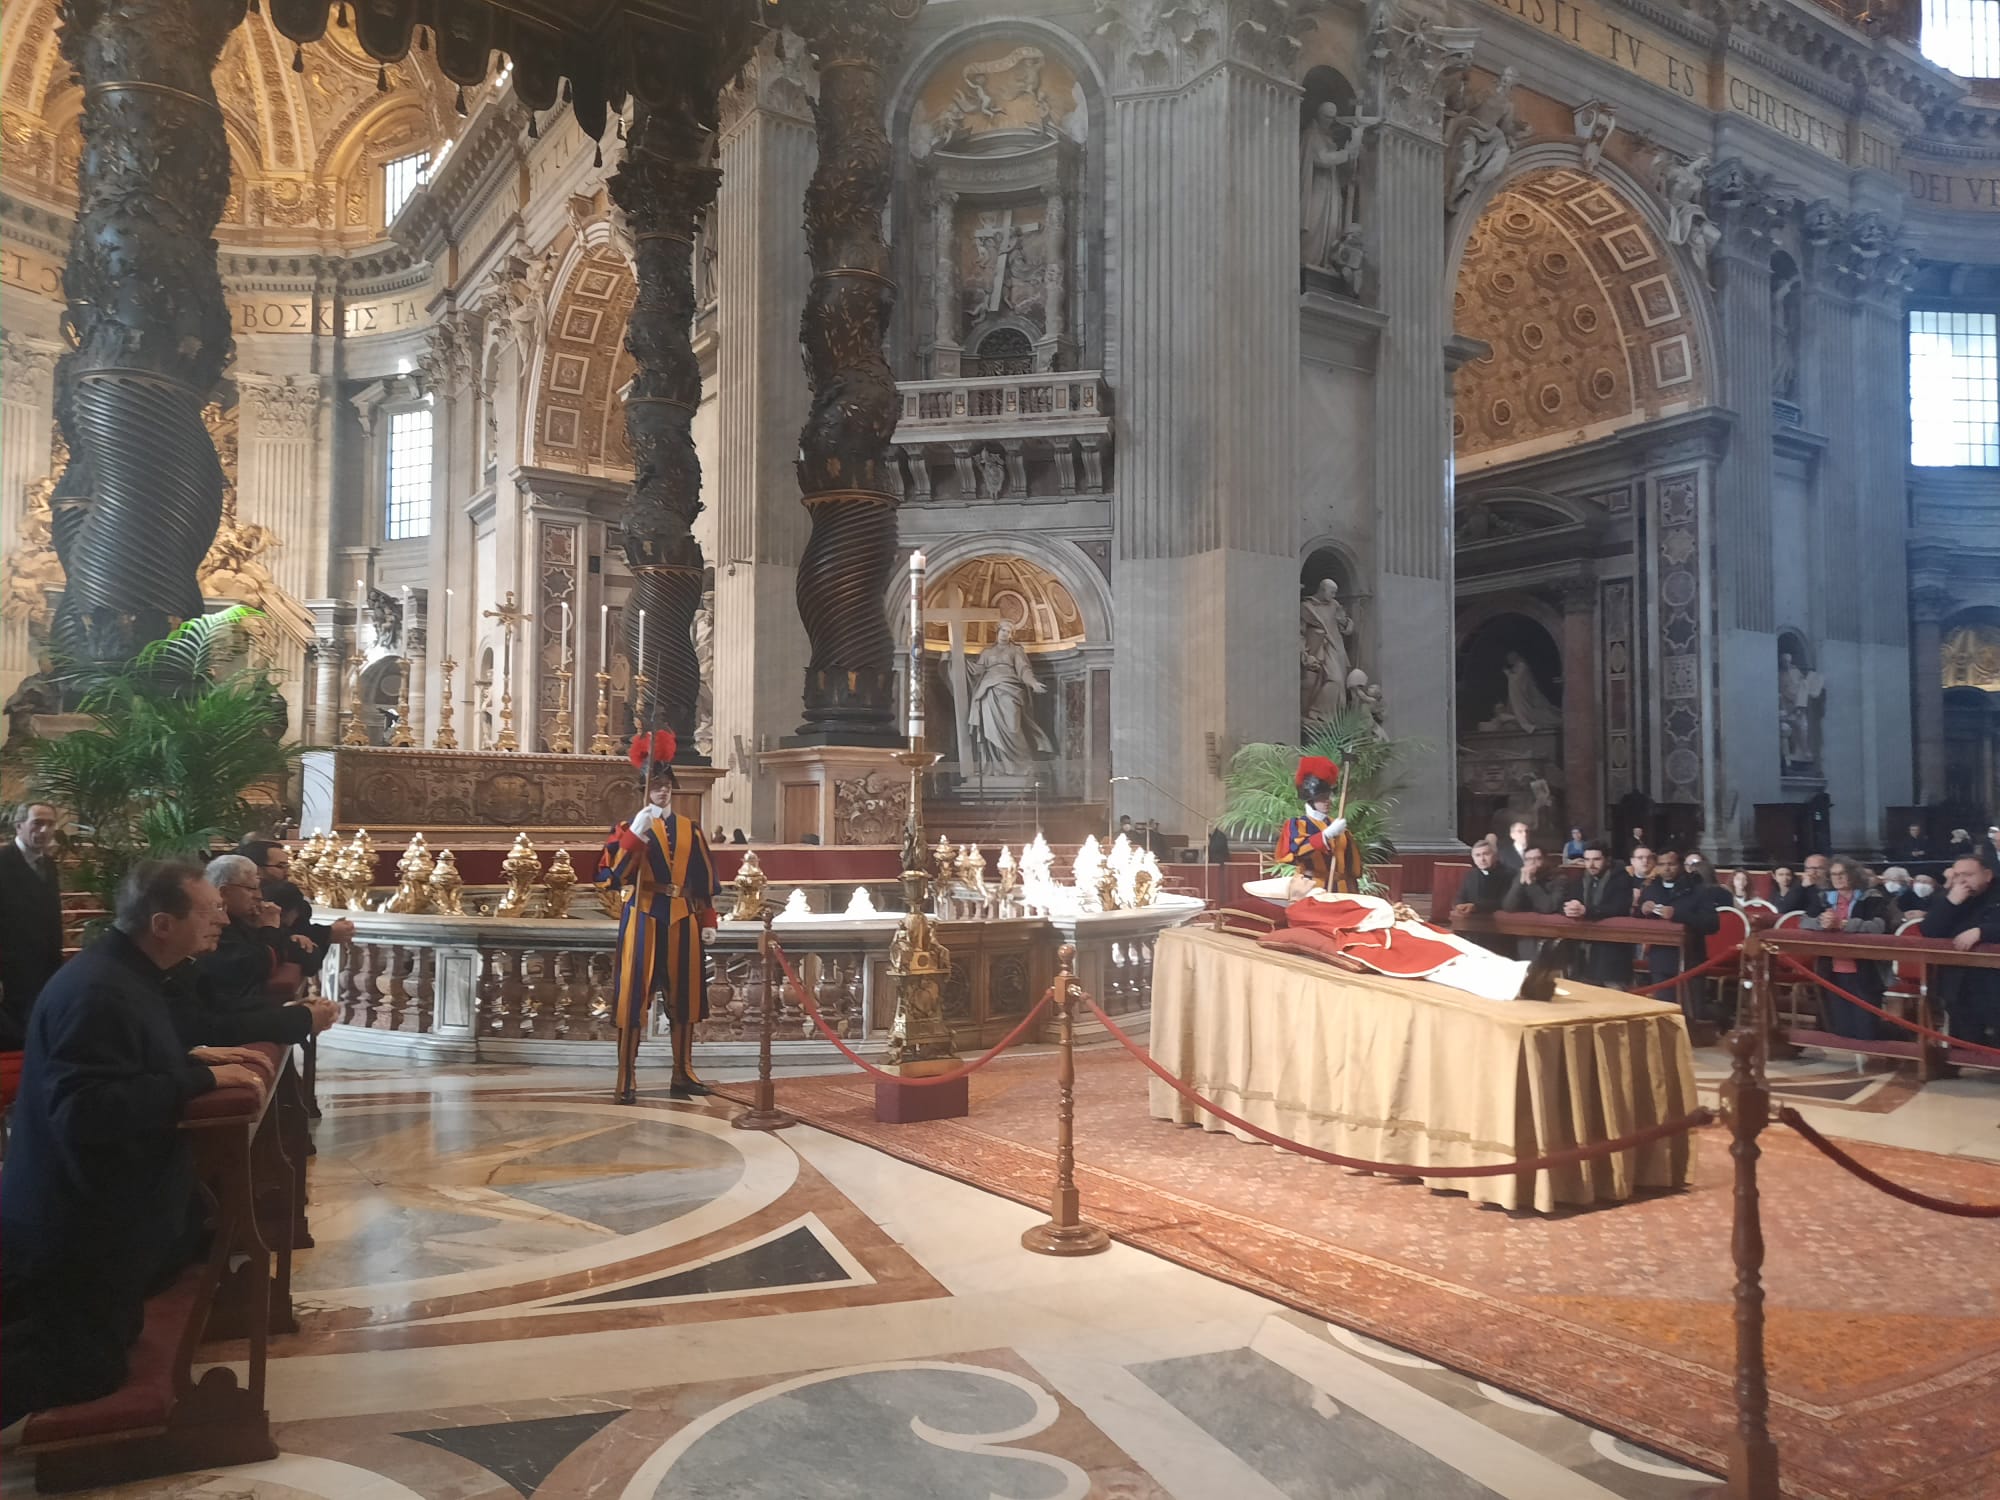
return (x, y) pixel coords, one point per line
(1884, 1329)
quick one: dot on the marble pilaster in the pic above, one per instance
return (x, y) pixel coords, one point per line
(27, 387)
(767, 156)
(1205, 571)
(1583, 739)
(278, 459)
(1929, 603)
(1412, 429)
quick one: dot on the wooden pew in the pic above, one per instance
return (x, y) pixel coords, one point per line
(163, 1420)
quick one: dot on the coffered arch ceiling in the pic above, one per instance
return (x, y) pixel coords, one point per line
(1589, 321)
(306, 147)
(580, 410)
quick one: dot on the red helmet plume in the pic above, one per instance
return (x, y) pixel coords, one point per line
(1316, 768)
(661, 743)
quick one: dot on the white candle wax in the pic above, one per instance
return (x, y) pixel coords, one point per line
(603, 638)
(444, 635)
(562, 658)
(640, 665)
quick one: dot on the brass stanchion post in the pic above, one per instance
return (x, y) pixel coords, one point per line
(600, 743)
(765, 1114)
(1065, 1233)
(1753, 1457)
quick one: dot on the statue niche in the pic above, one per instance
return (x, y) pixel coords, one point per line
(998, 172)
(1510, 743)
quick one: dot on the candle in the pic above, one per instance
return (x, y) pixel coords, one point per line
(639, 666)
(360, 608)
(444, 636)
(603, 639)
(915, 726)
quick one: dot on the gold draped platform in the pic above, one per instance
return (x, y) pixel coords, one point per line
(1411, 1072)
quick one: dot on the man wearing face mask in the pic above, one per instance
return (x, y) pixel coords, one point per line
(1921, 895)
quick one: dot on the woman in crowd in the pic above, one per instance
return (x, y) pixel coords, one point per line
(1741, 891)
(1851, 905)
(1782, 880)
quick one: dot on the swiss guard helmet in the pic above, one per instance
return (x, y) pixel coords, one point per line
(654, 754)
(1316, 778)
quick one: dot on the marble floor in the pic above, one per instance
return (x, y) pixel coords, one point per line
(521, 1290)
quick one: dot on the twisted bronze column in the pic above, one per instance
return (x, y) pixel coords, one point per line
(137, 506)
(850, 690)
(663, 186)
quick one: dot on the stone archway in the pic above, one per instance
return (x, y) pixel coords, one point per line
(1510, 681)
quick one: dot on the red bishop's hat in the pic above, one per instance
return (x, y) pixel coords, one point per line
(1317, 767)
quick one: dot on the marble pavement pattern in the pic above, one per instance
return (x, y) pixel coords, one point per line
(519, 1290)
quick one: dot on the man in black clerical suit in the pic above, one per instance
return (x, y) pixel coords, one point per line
(1967, 911)
(1536, 893)
(31, 928)
(1603, 891)
(1481, 891)
(310, 939)
(98, 1207)
(223, 998)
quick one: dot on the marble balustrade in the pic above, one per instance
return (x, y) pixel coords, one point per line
(538, 990)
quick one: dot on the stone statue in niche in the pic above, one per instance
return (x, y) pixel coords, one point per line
(1350, 262)
(992, 473)
(703, 632)
(1006, 274)
(1682, 183)
(1479, 140)
(1365, 694)
(1324, 660)
(524, 288)
(1594, 123)
(997, 93)
(1785, 293)
(1005, 736)
(1329, 154)
(1526, 707)
(1801, 705)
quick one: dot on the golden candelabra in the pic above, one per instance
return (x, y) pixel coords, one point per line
(600, 743)
(507, 739)
(445, 737)
(640, 681)
(404, 738)
(560, 740)
(357, 732)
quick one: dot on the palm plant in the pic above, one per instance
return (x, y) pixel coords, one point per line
(182, 736)
(1261, 793)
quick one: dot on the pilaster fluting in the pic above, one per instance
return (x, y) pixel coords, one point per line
(760, 401)
(1929, 603)
(276, 483)
(1742, 272)
(850, 693)
(139, 503)
(664, 185)
(1412, 428)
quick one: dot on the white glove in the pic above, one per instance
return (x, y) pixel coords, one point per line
(645, 818)
(1336, 828)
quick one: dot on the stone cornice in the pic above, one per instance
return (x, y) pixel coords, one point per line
(490, 148)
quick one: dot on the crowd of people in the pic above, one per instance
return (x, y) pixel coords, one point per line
(98, 1204)
(1958, 901)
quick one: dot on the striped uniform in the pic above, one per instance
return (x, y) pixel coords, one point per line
(664, 876)
(1331, 859)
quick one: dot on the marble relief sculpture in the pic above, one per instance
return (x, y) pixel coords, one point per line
(1479, 141)
(1682, 183)
(1526, 707)
(1325, 663)
(1785, 294)
(1005, 736)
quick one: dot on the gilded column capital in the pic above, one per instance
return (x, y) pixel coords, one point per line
(286, 408)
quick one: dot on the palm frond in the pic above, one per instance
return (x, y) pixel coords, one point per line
(1261, 794)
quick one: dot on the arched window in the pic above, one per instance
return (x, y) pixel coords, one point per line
(1964, 36)
(1006, 351)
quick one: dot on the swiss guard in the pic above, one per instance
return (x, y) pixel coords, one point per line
(1316, 844)
(660, 864)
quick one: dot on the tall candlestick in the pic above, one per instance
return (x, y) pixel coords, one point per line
(444, 636)
(916, 716)
(603, 638)
(562, 654)
(360, 608)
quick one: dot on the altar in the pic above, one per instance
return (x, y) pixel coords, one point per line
(1416, 1073)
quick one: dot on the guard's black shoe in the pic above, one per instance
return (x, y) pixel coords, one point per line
(687, 1088)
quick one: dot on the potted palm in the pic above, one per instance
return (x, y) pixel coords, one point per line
(182, 739)
(1261, 795)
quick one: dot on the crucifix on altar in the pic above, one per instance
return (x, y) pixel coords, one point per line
(511, 617)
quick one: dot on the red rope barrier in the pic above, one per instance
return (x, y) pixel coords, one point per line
(1851, 998)
(1876, 1180)
(1719, 961)
(930, 1080)
(1403, 1169)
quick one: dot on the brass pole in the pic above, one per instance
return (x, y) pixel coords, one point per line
(1065, 1233)
(444, 737)
(765, 1114)
(600, 743)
